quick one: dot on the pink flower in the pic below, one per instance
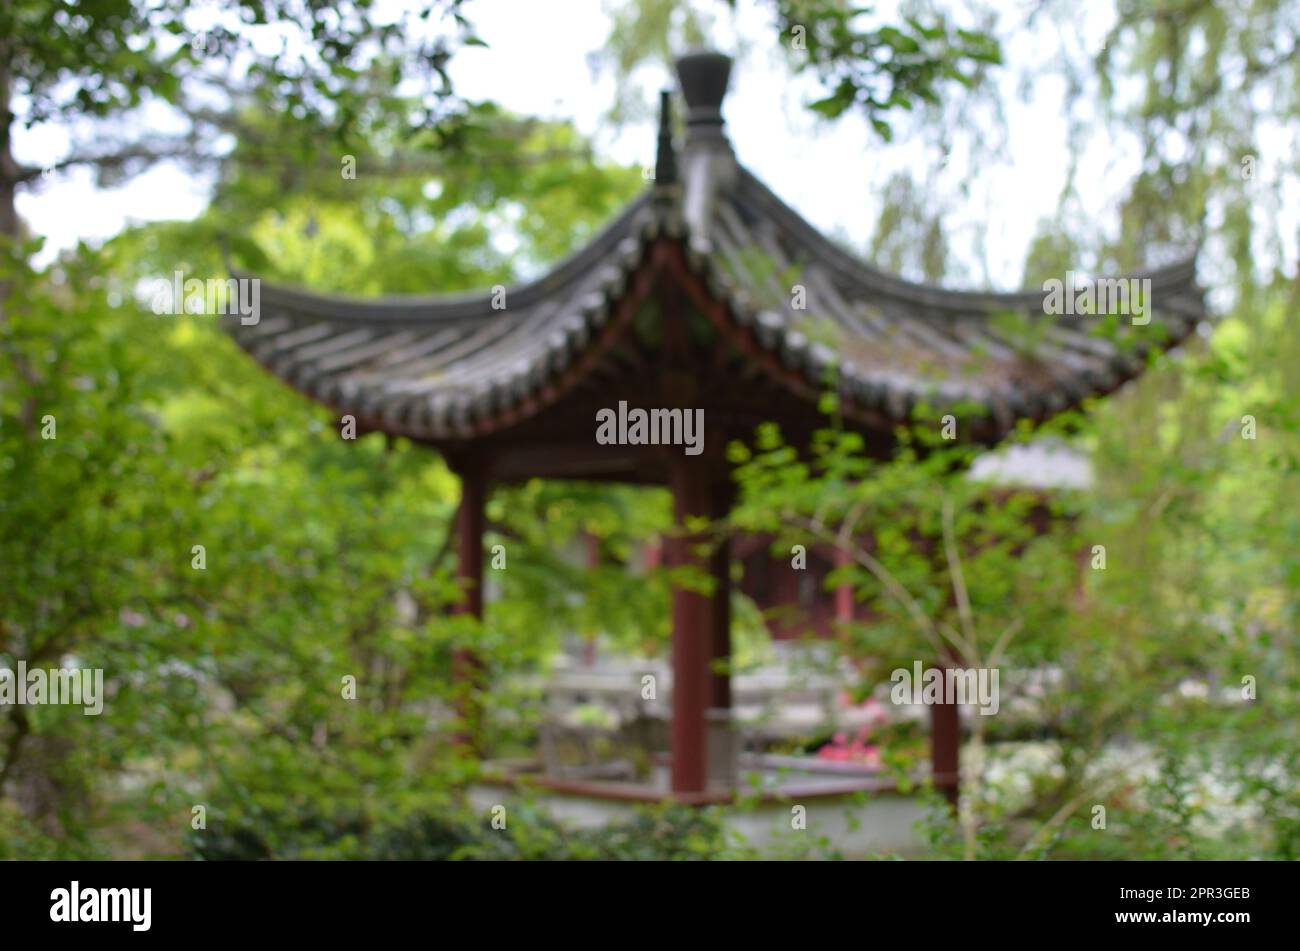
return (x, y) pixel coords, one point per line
(876, 710)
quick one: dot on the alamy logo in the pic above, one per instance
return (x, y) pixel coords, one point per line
(947, 685)
(240, 297)
(1112, 297)
(655, 427)
(103, 904)
(77, 686)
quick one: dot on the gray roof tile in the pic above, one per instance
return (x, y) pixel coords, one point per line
(432, 366)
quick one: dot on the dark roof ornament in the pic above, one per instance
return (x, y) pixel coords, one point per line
(703, 76)
(666, 156)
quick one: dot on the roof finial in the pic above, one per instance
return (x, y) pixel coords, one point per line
(704, 77)
(665, 156)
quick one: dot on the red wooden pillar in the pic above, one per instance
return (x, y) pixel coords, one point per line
(467, 666)
(945, 744)
(692, 641)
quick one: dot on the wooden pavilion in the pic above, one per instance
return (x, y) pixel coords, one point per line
(706, 292)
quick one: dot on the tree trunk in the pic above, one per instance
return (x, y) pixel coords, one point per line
(9, 170)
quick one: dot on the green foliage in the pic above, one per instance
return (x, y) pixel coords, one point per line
(72, 60)
(310, 545)
(327, 559)
(1150, 718)
(670, 833)
(861, 62)
(882, 69)
(909, 239)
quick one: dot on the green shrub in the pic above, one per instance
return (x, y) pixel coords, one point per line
(655, 834)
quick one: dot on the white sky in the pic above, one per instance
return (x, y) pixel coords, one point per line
(834, 173)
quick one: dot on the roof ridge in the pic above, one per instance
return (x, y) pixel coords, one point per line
(860, 271)
(631, 221)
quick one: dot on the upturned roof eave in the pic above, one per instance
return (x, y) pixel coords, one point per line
(441, 367)
(435, 307)
(750, 192)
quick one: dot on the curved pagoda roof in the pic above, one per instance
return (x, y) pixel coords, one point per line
(450, 370)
